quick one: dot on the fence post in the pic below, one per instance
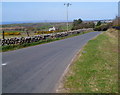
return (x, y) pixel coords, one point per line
(27, 33)
(3, 34)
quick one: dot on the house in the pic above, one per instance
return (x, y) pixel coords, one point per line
(52, 29)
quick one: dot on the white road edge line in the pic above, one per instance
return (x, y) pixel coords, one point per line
(3, 64)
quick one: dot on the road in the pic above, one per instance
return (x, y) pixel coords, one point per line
(37, 69)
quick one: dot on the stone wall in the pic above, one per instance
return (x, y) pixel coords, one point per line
(23, 40)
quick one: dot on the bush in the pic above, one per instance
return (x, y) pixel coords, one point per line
(11, 33)
(102, 27)
(79, 24)
(116, 27)
(46, 32)
(17, 33)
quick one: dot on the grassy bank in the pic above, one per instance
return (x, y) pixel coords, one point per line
(15, 47)
(95, 70)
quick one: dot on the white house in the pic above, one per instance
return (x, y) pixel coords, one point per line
(52, 29)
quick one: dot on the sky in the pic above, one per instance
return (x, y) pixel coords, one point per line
(56, 11)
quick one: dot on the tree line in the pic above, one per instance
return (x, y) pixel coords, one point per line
(79, 24)
(100, 26)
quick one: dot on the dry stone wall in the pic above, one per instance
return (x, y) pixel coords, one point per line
(23, 40)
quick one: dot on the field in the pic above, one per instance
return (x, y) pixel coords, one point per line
(32, 28)
(95, 70)
(40, 26)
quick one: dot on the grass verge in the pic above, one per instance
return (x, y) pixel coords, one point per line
(15, 47)
(95, 70)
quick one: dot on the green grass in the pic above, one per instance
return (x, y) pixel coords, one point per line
(45, 27)
(11, 31)
(65, 27)
(15, 47)
(96, 69)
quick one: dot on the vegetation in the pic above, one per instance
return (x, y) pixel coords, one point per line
(46, 32)
(32, 28)
(102, 27)
(79, 24)
(38, 26)
(11, 33)
(95, 70)
(105, 26)
(98, 23)
(64, 28)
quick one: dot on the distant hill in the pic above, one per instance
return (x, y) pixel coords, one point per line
(46, 21)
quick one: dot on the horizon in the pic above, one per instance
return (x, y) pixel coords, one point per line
(25, 22)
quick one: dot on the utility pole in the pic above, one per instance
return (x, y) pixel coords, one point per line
(67, 5)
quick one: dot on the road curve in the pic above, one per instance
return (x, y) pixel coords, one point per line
(37, 69)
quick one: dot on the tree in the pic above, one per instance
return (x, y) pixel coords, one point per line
(77, 22)
(98, 23)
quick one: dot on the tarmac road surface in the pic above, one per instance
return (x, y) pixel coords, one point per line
(37, 69)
